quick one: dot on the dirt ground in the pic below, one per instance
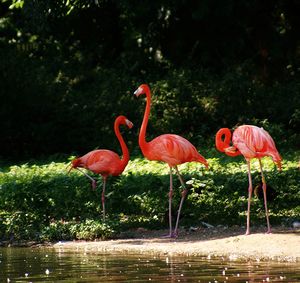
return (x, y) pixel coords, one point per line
(283, 244)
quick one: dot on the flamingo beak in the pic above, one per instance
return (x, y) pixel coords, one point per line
(230, 149)
(129, 124)
(279, 166)
(137, 92)
(71, 167)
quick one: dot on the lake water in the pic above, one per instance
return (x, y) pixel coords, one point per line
(48, 265)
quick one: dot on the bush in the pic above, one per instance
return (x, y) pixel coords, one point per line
(42, 202)
(86, 230)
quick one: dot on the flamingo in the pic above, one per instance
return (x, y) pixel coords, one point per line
(105, 162)
(251, 142)
(169, 148)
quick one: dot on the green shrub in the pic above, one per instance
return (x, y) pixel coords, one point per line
(86, 230)
(43, 202)
(94, 229)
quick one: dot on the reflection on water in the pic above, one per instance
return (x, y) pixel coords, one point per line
(47, 265)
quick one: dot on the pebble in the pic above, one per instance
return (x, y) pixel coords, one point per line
(296, 224)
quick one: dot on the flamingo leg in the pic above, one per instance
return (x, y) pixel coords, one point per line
(250, 189)
(103, 198)
(183, 195)
(265, 196)
(170, 203)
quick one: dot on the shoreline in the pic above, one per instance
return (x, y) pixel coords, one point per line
(283, 244)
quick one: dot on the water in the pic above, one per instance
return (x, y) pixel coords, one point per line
(47, 265)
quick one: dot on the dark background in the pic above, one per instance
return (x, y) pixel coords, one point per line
(68, 68)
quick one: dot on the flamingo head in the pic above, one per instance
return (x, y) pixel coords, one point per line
(129, 124)
(231, 151)
(142, 89)
(75, 163)
(124, 121)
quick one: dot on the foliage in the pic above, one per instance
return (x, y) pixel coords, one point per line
(68, 68)
(42, 202)
(77, 63)
(87, 230)
(193, 104)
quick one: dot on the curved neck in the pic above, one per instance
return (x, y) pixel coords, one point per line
(125, 151)
(142, 135)
(220, 143)
(223, 145)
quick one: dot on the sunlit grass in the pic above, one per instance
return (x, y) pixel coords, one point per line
(43, 200)
(140, 165)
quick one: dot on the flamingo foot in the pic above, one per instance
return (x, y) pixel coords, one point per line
(269, 231)
(247, 232)
(172, 235)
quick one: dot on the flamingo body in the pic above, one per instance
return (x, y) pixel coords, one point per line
(251, 142)
(173, 150)
(102, 161)
(255, 142)
(105, 162)
(169, 148)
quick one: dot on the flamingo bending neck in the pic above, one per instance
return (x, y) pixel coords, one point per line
(223, 145)
(124, 148)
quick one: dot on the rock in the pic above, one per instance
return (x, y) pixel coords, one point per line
(296, 224)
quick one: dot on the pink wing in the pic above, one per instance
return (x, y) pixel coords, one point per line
(103, 161)
(173, 149)
(255, 142)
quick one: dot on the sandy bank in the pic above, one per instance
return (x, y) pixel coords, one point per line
(282, 245)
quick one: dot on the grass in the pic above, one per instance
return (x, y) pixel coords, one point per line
(43, 202)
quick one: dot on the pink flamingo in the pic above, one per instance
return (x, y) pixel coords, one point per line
(105, 162)
(251, 142)
(171, 149)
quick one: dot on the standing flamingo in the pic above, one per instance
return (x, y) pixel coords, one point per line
(105, 162)
(251, 142)
(171, 149)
